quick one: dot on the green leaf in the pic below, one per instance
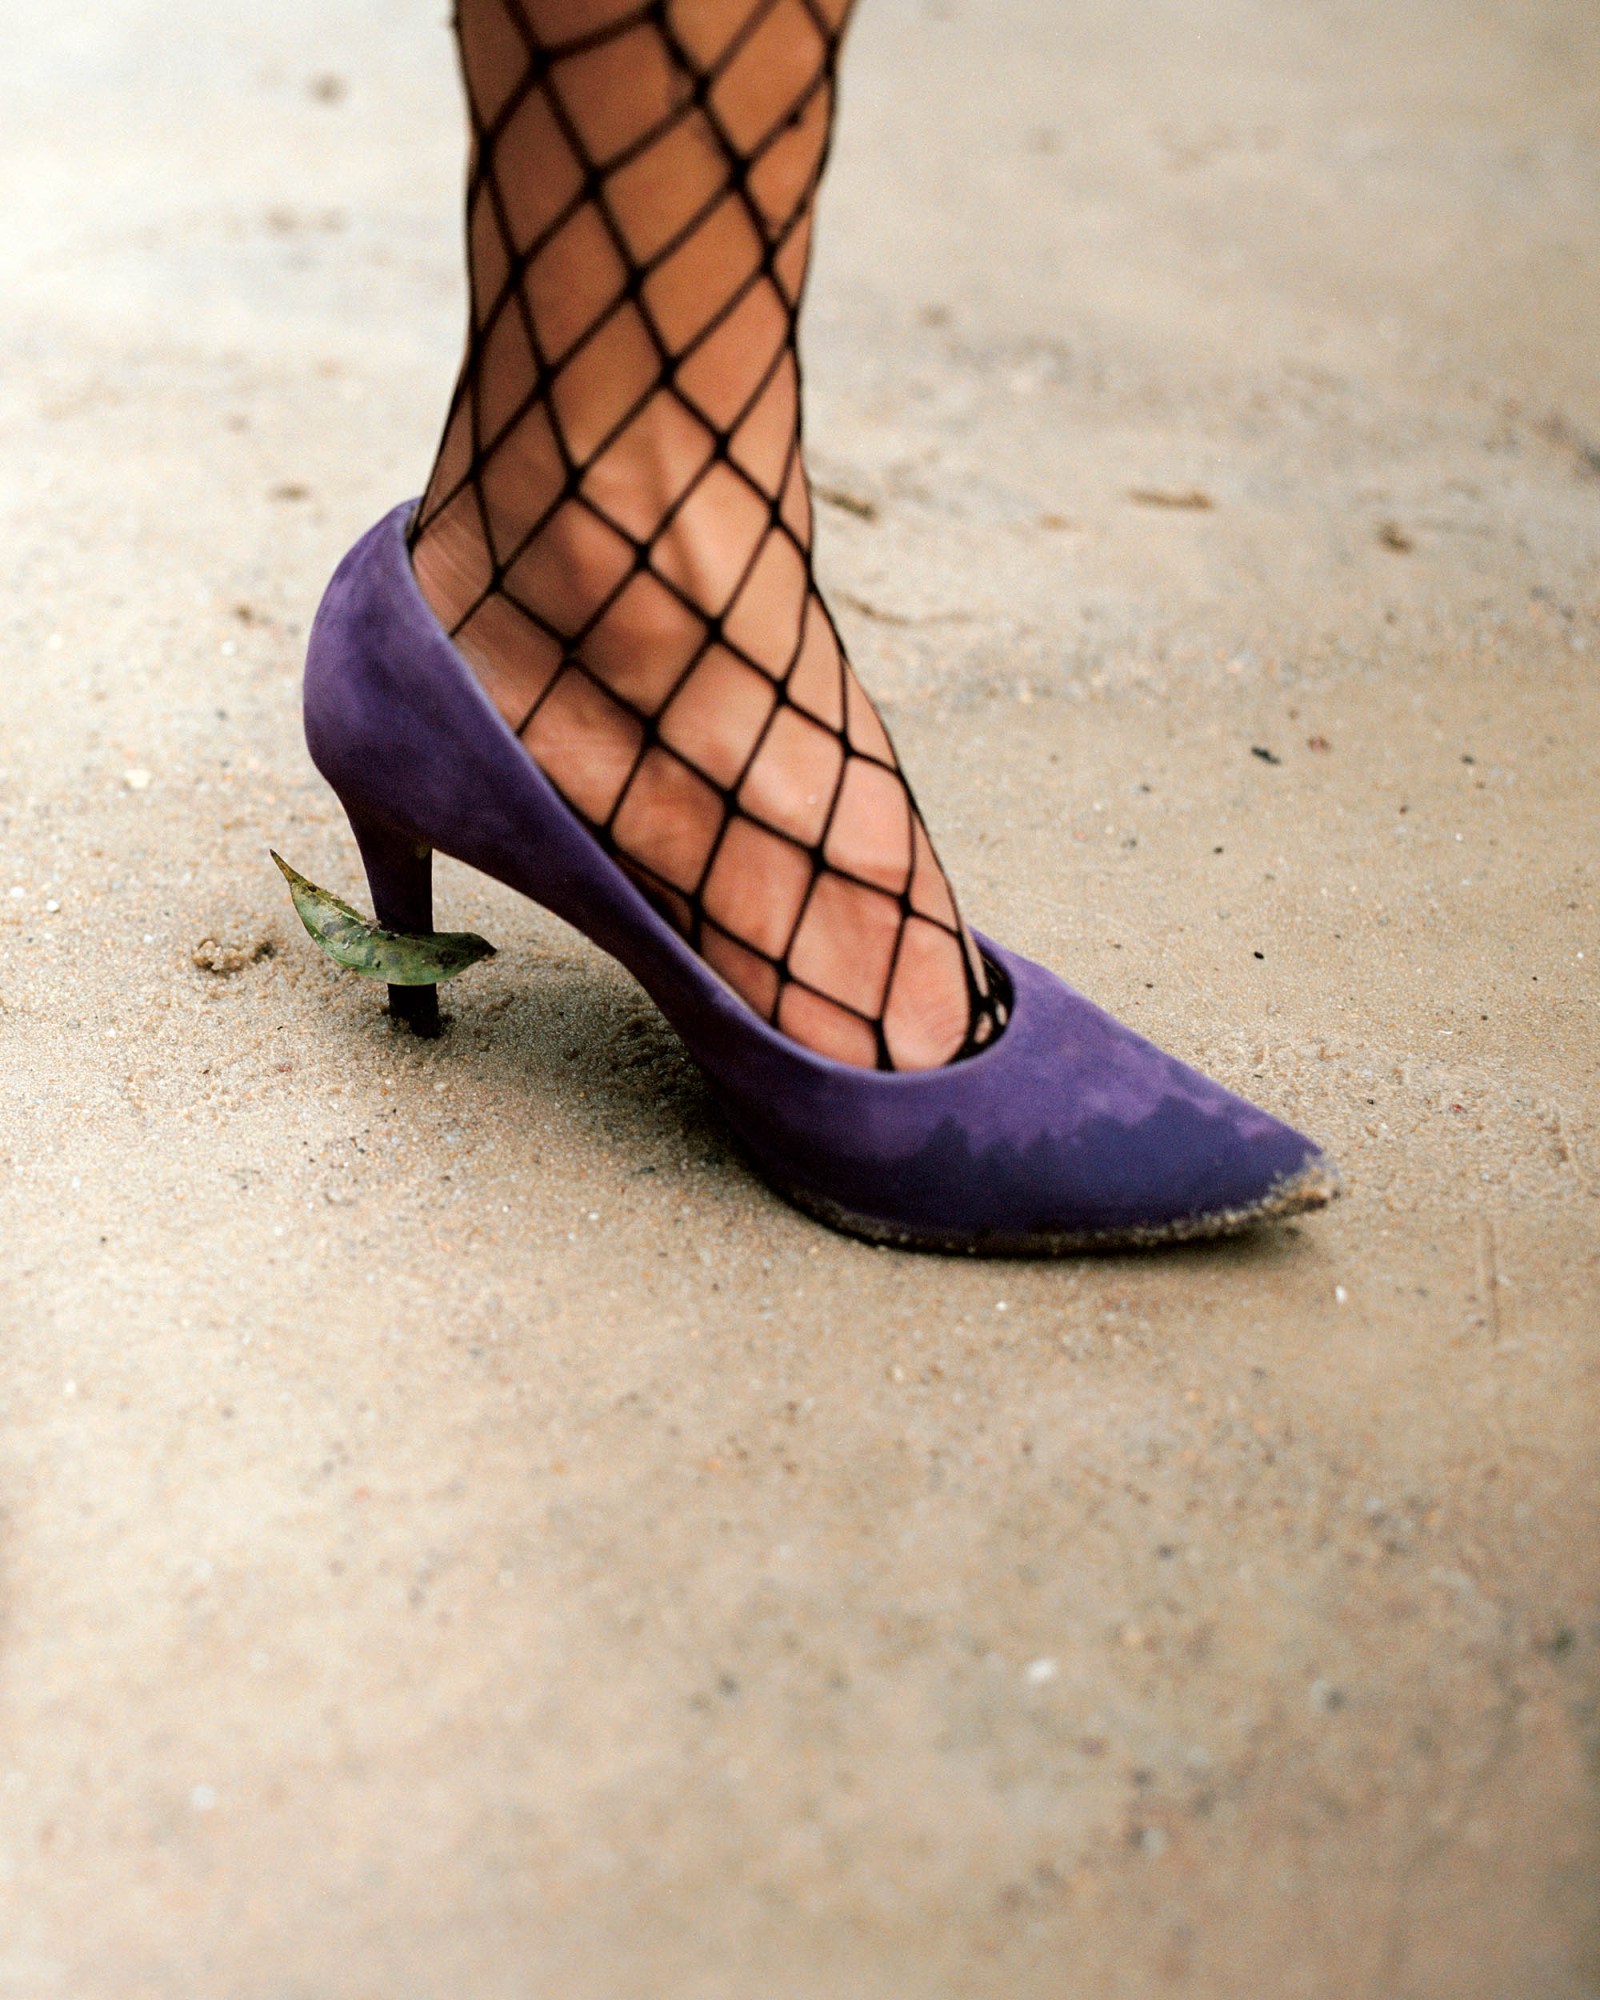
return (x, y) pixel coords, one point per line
(401, 958)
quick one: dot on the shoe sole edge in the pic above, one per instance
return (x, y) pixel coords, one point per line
(1315, 1186)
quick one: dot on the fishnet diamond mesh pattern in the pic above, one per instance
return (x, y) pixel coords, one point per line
(588, 321)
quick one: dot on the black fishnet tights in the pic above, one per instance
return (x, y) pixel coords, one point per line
(618, 528)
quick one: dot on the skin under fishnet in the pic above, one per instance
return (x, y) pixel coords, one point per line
(620, 514)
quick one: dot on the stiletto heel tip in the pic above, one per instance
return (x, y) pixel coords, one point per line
(417, 1008)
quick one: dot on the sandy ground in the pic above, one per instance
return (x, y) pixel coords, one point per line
(459, 1535)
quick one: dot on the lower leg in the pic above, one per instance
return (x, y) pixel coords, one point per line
(618, 529)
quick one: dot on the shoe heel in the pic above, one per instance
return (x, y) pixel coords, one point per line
(400, 876)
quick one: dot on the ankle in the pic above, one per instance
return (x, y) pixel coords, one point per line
(636, 603)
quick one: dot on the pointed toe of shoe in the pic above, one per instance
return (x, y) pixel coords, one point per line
(1243, 1169)
(1071, 1133)
(1312, 1184)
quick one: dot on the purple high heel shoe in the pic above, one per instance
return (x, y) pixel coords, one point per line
(1068, 1132)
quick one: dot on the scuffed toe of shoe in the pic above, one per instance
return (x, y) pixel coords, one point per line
(1313, 1185)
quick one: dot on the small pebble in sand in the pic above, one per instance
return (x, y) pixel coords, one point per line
(18, 893)
(211, 955)
(1339, 1295)
(1037, 1672)
(52, 906)
(136, 780)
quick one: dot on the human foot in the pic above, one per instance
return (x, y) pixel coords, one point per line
(736, 768)
(618, 530)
